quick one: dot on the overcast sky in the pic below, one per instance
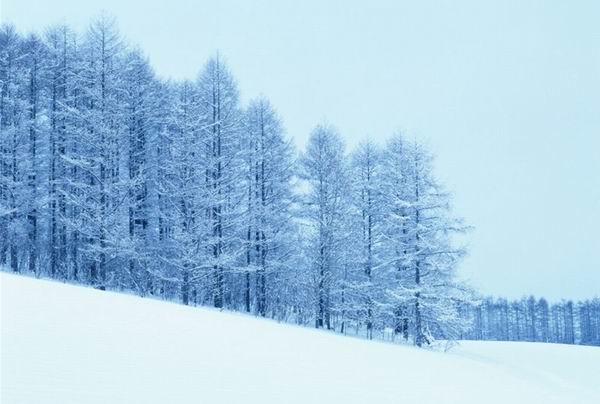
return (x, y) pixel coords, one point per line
(506, 93)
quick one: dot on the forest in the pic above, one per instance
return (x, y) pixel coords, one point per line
(534, 320)
(113, 177)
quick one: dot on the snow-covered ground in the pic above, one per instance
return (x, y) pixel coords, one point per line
(68, 344)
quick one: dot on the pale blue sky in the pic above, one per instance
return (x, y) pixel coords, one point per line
(507, 93)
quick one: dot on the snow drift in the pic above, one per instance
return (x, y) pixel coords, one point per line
(68, 344)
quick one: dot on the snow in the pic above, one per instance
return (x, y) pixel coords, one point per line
(69, 344)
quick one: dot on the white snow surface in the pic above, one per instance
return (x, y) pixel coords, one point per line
(69, 344)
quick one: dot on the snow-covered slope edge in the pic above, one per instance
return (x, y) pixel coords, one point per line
(68, 344)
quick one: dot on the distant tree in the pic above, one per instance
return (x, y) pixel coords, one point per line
(531, 318)
(544, 320)
(569, 323)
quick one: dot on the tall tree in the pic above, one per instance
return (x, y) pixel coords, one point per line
(143, 122)
(220, 127)
(269, 167)
(101, 193)
(62, 141)
(366, 202)
(36, 69)
(420, 226)
(183, 228)
(324, 169)
(13, 129)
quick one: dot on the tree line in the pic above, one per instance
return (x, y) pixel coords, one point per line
(535, 320)
(115, 178)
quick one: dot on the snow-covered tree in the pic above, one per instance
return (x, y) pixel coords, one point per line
(65, 125)
(324, 168)
(418, 238)
(143, 120)
(101, 194)
(362, 280)
(183, 225)
(219, 131)
(15, 118)
(269, 224)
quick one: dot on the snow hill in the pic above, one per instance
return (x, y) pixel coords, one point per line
(68, 344)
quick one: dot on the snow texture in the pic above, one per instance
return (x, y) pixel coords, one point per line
(67, 344)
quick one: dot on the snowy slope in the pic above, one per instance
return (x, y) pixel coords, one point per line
(68, 344)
